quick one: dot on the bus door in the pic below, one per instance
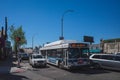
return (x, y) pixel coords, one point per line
(65, 51)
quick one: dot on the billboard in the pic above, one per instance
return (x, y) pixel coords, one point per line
(88, 39)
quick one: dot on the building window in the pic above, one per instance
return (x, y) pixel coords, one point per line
(112, 46)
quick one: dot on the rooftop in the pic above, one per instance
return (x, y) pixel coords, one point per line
(111, 40)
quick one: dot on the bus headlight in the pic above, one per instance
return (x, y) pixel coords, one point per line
(71, 63)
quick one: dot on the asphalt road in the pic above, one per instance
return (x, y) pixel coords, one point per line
(54, 73)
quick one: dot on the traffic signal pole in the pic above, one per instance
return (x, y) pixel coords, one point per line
(18, 39)
(3, 37)
(6, 26)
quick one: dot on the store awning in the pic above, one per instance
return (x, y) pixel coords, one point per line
(95, 51)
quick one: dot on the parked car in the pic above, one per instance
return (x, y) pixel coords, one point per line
(24, 56)
(108, 61)
(117, 53)
(37, 60)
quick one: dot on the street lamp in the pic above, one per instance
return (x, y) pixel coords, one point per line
(33, 42)
(62, 37)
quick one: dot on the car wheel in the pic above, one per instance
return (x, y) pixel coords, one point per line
(33, 65)
(45, 65)
(97, 66)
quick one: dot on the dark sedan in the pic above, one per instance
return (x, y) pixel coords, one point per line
(24, 56)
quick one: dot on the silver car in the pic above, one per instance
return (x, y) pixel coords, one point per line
(117, 53)
(108, 61)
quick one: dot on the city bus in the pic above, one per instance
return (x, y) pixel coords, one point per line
(67, 54)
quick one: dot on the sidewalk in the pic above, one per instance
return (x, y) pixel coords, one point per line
(10, 66)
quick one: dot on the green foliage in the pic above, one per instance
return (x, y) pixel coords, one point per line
(17, 32)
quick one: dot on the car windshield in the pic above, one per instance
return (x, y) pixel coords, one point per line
(37, 56)
(25, 55)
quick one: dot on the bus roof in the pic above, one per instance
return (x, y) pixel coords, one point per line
(58, 44)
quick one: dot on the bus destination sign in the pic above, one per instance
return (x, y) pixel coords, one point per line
(78, 45)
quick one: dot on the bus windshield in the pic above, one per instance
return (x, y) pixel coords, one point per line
(84, 52)
(78, 52)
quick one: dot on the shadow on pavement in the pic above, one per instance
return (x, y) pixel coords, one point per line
(89, 71)
(86, 70)
(12, 77)
(41, 67)
(6, 65)
(5, 70)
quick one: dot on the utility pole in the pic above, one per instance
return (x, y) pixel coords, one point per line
(32, 42)
(5, 38)
(6, 26)
(2, 44)
(62, 19)
(2, 32)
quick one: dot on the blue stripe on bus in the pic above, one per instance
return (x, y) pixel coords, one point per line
(53, 60)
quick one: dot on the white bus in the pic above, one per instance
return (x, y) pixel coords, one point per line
(66, 53)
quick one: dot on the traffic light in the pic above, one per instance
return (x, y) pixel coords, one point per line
(18, 39)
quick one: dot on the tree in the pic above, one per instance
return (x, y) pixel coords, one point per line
(15, 33)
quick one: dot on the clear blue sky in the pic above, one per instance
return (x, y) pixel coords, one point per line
(42, 19)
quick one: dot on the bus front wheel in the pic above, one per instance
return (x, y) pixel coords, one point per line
(60, 64)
